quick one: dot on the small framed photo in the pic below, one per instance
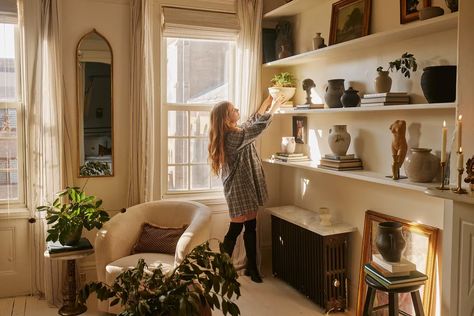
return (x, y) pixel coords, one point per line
(409, 10)
(299, 129)
(349, 20)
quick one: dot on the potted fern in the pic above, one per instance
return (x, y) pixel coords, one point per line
(406, 64)
(203, 280)
(70, 212)
(283, 83)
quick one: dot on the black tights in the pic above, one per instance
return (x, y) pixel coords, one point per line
(250, 241)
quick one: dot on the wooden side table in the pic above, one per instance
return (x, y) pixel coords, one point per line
(70, 306)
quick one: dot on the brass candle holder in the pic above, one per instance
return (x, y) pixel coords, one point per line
(459, 190)
(443, 174)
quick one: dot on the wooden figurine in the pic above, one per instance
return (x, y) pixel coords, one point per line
(399, 146)
(470, 173)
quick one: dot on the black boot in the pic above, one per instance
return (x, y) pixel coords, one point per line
(250, 241)
(231, 237)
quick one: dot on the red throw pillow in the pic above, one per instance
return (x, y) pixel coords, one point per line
(158, 239)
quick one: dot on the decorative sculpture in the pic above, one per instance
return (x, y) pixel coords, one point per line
(308, 84)
(399, 146)
(470, 173)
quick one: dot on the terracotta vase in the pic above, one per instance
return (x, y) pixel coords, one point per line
(339, 139)
(383, 82)
(390, 241)
(421, 166)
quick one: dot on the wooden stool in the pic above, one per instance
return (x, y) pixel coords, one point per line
(393, 310)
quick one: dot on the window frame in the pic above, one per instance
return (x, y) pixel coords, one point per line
(20, 121)
(166, 107)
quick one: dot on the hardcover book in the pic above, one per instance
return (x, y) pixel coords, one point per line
(403, 266)
(58, 248)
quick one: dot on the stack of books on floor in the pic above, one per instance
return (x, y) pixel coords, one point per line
(340, 163)
(295, 157)
(309, 106)
(387, 98)
(56, 249)
(394, 275)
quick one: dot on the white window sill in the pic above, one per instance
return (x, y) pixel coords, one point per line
(214, 198)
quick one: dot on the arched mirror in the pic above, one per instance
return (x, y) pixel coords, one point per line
(95, 106)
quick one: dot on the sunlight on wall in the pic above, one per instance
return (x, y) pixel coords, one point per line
(313, 143)
(304, 186)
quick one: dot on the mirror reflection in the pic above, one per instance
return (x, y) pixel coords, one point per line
(94, 91)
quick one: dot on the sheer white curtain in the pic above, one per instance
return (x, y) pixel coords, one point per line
(42, 82)
(247, 81)
(249, 47)
(142, 98)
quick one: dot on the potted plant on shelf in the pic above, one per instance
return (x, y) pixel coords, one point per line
(283, 83)
(71, 211)
(203, 280)
(407, 63)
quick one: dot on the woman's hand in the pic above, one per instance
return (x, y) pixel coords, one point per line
(276, 103)
(265, 105)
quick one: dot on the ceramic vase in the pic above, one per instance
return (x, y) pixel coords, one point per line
(350, 98)
(287, 92)
(334, 92)
(421, 166)
(390, 241)
(325, 217)
(439, 83)
(383, 82)
(74, 237)
(318, 41)
(288, 145)
(452, 5)
(339, 139)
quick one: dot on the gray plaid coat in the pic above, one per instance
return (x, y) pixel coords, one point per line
(242, 174)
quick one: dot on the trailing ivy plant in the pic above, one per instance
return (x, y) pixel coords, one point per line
(204, 278)
(284, 80)
(405, 64)
(95, 168)
(70, 212)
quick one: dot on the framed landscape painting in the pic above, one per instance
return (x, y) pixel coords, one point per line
(421, 244)
(349, 20)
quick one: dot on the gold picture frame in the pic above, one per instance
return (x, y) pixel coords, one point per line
(409, 10)
(421, 246)
(349, 20)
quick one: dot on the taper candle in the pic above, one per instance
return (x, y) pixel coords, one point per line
(459, 132)
(460, 159)
(443, 146)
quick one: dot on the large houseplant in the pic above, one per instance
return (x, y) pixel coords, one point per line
(406, 63)
(204, 279)
(71, 211)
(283, 83)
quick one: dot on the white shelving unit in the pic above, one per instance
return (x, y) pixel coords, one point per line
(404, 107)
(291, 8)
(403, 32)
(362, 175)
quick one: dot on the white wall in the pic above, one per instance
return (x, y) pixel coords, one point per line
(348, 199)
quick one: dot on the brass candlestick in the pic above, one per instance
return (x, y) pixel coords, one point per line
(443, 167)
(459, 190)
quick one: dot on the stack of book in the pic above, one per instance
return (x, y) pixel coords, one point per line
(295, 157)
(309, 106)
(387, 98)
(340, 163)
(56, 249)
(394, 275)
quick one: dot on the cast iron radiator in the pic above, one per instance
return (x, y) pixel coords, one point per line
(315, 265)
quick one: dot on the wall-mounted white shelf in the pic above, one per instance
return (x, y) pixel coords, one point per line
(467, 198)
(362, 175)
(289, 9)
(403, 32)
(404, 107)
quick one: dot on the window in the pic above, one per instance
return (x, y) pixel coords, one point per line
(198, 73)
(11, 167)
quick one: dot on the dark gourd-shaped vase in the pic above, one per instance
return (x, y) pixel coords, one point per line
(390, 241)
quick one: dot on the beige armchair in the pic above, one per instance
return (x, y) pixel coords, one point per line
(114, 242)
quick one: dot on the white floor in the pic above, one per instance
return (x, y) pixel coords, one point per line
(272, 297)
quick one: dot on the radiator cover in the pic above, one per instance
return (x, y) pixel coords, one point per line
(313, 264)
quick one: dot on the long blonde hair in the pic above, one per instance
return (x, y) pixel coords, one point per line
(220, 123)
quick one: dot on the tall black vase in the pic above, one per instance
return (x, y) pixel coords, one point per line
(439, 83)
(390, 241)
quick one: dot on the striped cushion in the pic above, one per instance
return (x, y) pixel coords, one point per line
(158, 239)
